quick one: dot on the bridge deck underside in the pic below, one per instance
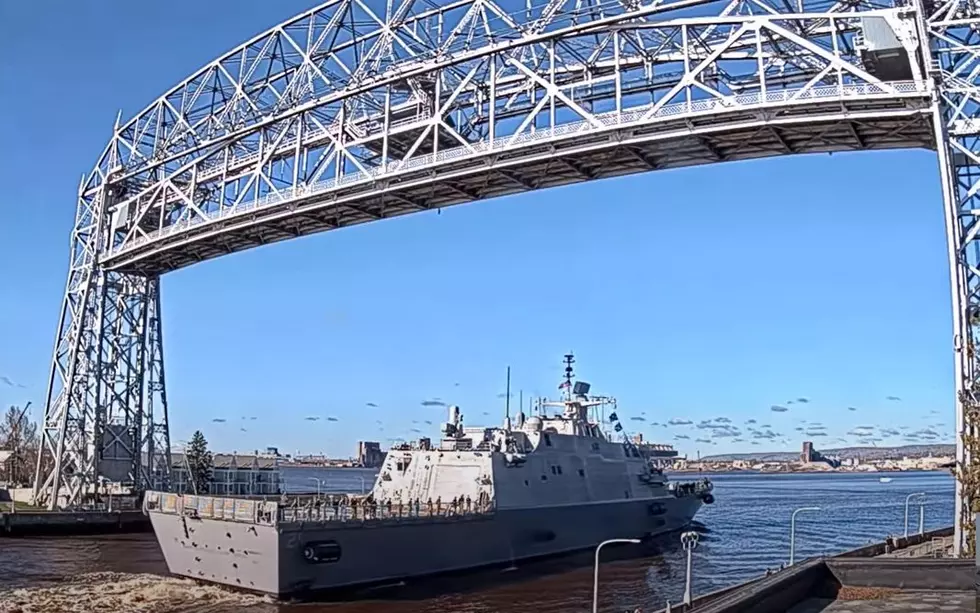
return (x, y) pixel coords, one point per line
(832, 126)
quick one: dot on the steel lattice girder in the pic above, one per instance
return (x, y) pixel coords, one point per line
(346, 115)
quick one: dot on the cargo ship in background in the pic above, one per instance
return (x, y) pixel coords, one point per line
(540, 485)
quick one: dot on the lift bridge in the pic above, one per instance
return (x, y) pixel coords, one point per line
(356, 111)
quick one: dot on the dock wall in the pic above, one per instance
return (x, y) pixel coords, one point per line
(69, 523)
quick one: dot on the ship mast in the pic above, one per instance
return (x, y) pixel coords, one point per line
(569, 360)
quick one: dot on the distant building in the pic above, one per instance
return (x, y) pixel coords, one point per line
(233, 475)
(807, 455)
(369, 454)
(660, 455)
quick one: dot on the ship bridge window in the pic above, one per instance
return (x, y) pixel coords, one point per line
(595, 446)
(547, 439)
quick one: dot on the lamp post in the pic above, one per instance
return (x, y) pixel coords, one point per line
(922, 515)
(792, 532)
(317, 485)
(595, 578)
(689, 540)
(907, 500)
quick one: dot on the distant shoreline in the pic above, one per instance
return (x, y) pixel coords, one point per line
(802, 472)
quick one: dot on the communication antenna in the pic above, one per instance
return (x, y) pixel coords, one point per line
(507, 402)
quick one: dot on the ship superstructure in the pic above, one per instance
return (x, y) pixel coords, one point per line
(539, 485)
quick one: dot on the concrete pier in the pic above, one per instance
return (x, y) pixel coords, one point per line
(67, 523)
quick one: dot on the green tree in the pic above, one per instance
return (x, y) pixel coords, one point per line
(200, 464)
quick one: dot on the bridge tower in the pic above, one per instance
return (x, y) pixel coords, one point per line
(953, 61)
(105, 419)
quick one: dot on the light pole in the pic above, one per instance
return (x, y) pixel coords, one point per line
(595, 578)
(317, 485)
(689, 540)
(792, 532)
(922, 515)
(907, 500)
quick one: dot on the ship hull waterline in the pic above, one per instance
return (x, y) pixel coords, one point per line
(270, 558)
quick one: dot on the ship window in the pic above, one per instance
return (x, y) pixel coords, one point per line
(322, 552)
(581, 473)
(526, 483)
(553, 471)
(544, 477)
(559, 470)
(595, 446)
(547, 440)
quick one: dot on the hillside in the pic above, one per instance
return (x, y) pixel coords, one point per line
(864, 453)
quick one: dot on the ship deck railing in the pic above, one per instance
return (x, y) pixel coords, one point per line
(271, 513)
(383, 512)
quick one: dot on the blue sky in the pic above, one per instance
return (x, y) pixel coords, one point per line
(690, 294)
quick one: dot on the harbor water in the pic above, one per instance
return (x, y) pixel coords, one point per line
(746, 532)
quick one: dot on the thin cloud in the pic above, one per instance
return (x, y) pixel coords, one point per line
(804, 400)
(890, 432)
(433, 403)
(219, 420)
(370, 404)
(7, 381)
(726, 432)
(893, 398)
(312, 419)
(852, 408)
(778, 409)
(332, 419)
(681, 436)
(722, 420)
(751, 421)
(702, 440)
(680, 422)
(817, 433)
(638, 418)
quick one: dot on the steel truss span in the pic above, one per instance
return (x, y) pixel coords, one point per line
(354, 112)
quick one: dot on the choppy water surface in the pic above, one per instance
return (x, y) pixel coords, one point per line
(746, 532)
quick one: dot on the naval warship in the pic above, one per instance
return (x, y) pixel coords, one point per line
(548, 483)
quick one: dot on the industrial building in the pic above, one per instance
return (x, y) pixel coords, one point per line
(233, 475)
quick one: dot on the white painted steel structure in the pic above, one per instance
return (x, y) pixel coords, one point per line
(355, 111)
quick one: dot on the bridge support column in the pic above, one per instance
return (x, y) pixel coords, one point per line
(105, 416)
(954, 64)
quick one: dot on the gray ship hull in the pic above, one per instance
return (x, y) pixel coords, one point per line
(275, 558)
